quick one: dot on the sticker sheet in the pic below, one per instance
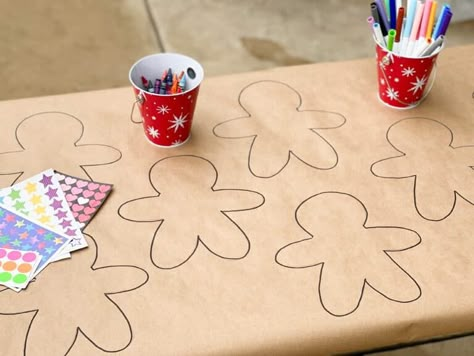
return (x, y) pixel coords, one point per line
(40, 198)
(84, 197)
(17, 267)
(17, 231)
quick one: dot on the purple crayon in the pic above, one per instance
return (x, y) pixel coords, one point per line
(157, 86)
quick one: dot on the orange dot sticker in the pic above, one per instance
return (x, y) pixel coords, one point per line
(9, 266)
(24, 268)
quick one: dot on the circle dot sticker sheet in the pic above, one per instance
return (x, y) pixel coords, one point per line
(17, 267)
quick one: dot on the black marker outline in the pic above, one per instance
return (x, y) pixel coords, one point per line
(78, 328)
(198, 238)
(290, 152)
(414, 176)
(82, 166)
(365, 282)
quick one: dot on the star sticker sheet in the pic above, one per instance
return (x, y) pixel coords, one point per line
(17, 231)
(41, 198)
(302, 217)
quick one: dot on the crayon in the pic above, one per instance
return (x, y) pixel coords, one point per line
(150, 89)
(174, 87)
(144, 82)
(163, 87)
(157, 86)
(182, 83)
(169, 81)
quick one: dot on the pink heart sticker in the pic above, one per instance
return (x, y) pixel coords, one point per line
(83, 218)
(71, 197)
(104, 188)
(65, 187)
(75, 214)
(89, 210)
(93, 186)
(81, 183)
(76, 190)
(99, 196)
(88, 193)
(70, 180)
(77, 207)
(94, 203)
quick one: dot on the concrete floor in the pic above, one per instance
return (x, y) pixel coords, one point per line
(53, 47)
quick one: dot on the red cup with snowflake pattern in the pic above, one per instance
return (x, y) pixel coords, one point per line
(404, 82)
(166, 117)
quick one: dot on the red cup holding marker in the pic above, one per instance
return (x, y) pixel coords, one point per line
(404, 82)
(167, 116)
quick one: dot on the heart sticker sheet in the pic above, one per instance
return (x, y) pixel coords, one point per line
(83, 197)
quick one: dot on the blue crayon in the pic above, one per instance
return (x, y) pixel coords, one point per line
(182, 83)
(169, 80)
(163, 87)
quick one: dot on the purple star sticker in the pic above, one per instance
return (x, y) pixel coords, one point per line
(60, 214)
(65, 223)
(52, 193)
(70, 232)
(56, 204)
(46, 180)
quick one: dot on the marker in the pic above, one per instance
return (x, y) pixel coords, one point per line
(391, 38)
(375, 14)
(411, 10)
(423, 47)
(445, 24)
(393, 15)
(383, 17)
(388, 11)
(398, 5)
(401, 13)
(415, 28)
(442, 15)
(429, 29)
(424, 25)
(433, 46)
(378, 34)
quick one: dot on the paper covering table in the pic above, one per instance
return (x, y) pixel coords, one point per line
(302, 217)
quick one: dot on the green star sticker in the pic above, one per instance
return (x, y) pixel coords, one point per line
(3, 239)
(49, 236)
(2, 212)
(49, 250)
(19, 205)
(14, 194)
(16, 243)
